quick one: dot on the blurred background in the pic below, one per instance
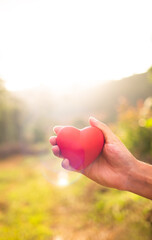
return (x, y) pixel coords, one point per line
(61, 62)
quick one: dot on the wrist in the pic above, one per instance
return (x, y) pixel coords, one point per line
(140, 179)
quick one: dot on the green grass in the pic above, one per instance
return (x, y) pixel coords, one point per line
(28, 202)
(33, 209)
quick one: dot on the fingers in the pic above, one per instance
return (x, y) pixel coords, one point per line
(52, 140)
(108, 134)
(56, 129)
(66, 165)
(56, 151)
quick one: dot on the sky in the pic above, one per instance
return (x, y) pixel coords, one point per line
(65, 44)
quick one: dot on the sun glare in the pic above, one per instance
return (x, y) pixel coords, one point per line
(68, 44)
(62, 179)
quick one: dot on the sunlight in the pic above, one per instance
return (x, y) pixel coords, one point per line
(67, 44)
(62, 179)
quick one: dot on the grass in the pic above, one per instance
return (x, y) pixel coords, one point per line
(33, 209)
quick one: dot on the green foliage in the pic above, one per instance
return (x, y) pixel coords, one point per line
(104, 99)
(134, 127)
(11, 117)
(124, 211)
(19, 127)
(150, 74)
(148, 123)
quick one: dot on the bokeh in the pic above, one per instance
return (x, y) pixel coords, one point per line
(39, 200)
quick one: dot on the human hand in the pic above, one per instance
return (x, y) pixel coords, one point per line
(113, 165)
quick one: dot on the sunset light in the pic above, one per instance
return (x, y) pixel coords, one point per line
(66, 44)
(75, 119)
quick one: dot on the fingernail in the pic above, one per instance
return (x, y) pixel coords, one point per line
(54, 129)
(93, 119)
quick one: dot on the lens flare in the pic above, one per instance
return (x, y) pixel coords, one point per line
(55, 174)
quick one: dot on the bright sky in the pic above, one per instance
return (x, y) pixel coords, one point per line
(65, 43)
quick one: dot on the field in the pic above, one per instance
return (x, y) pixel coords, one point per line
(62, 62)
(33, 209)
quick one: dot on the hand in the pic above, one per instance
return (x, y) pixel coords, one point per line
(114, 164)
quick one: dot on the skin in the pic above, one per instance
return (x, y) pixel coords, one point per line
(115, 167)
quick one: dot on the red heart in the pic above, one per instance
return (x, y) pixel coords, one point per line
(80, 147)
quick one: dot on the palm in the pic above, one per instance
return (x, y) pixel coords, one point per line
(109, 166)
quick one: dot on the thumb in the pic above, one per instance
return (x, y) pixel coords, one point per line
(108, 134)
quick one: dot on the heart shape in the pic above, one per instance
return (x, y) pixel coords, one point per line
(80, 146)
